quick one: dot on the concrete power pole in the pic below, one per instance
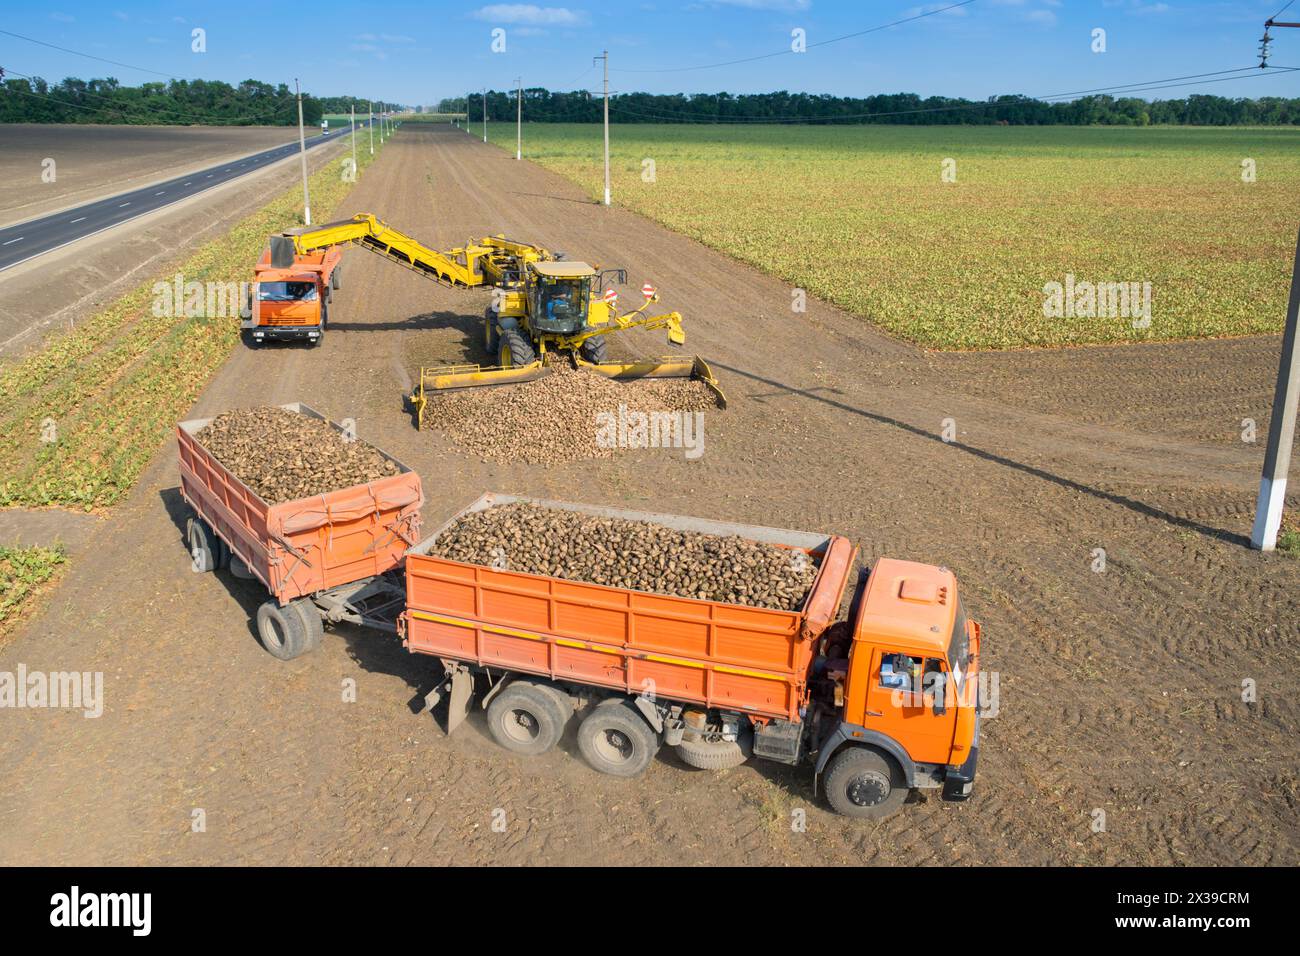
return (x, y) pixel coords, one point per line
(1281, 429)
(302, 153)
(370, 125)
(519, 120)
(353, 123)
(604, 55)
(485, 114)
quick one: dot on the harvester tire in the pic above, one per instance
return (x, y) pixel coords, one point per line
(285, 631)
(514, 350)
(204, 545)
(717, 754)
(595, 350)
(864, 783)
(615, 739)
(491, 334)
(523, 719)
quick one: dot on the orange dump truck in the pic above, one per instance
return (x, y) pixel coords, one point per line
(329, 558)
(888, 707)
(289, 301)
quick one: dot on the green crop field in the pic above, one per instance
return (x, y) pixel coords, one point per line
(863, 217)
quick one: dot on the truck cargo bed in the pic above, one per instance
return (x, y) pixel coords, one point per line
(312, 544)
(730, 656)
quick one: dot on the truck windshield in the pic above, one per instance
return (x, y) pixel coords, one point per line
(959, 645)
(286, 292)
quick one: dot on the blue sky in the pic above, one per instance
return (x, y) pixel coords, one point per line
(418, 52)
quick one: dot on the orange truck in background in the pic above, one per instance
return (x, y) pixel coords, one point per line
(290, 303)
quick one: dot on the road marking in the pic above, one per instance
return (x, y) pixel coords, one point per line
(184, 184)
(160, 192)
(11, 241)
(209, 175)
(124, 204)
(75, 221)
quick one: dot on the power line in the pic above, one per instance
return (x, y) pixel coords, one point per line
(768, 56)
(89, 56)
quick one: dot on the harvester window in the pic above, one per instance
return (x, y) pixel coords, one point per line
(286, 292)
(565, 301)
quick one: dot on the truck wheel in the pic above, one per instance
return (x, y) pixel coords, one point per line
(864, 783)
(336, 278)
(717, 754)
(205, 546)
(514, 350)
(491, 335)
(595, 350)
(523, 719)
(285, 631)
(615, 739)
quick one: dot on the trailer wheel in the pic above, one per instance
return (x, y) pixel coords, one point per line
(514, 350)
(615, 739)
(864, 783)
(205, 546)
(522, 719)
(595, 350)
(285, 631)
(717, 754)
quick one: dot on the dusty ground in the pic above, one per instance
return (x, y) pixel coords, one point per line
(94, 161)
(62, 287)
(1119, 691)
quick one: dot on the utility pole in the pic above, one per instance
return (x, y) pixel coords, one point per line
(302, 153)
(485, 114)
(370, 125)
(1281, 428)
(353, 122)
(604, 55)
(519, 120)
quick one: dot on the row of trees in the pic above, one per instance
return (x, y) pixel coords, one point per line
(176, 102)
(545, 106)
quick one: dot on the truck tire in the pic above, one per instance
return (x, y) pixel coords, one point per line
(717, 754)
(287, 632)
(514, 349)
(336, 278)
(524, 719)
(204, 545)
(491, 334)
(595, 350)
(864, 783)
(615, 739)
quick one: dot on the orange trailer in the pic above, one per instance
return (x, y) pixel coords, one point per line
(327, 557)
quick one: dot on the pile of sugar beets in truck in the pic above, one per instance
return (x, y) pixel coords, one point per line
(652, 630)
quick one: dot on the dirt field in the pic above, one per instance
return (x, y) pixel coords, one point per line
(1119, 691)
(94, 161)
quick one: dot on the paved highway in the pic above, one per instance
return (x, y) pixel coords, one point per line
(35, 237)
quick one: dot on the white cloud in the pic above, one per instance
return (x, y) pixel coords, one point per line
(62, 17)
(530, 14)
(789, 6)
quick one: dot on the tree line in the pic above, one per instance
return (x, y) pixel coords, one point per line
(176, 102)
(544, 106)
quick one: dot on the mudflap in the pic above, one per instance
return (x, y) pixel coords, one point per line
(462, 696)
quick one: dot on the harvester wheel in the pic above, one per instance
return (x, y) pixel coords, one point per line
(523, 719)
(491, 335)
(717, 754)
(514, 350)
(285, 631)
(595, 350)
(864, 783)
(204, 545)
(615, 739)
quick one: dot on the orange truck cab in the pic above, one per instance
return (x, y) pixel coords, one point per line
(905, 688)
(292, 304)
